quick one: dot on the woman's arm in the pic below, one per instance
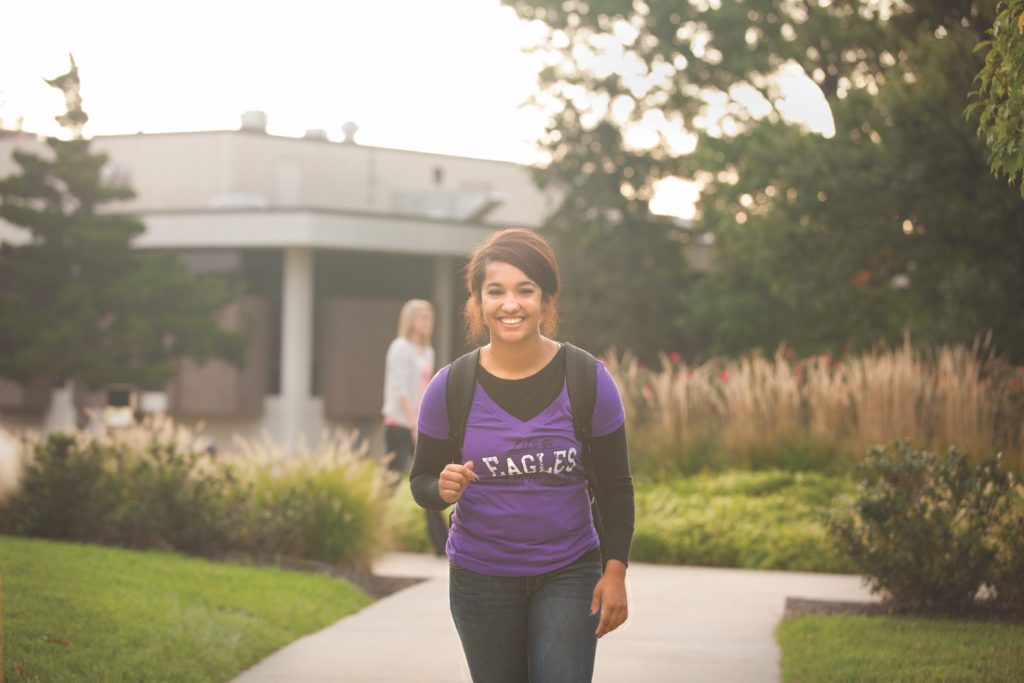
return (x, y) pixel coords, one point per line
(429, 460)
(609, 457)
(436, 481)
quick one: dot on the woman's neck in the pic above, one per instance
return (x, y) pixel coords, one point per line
(515, 361)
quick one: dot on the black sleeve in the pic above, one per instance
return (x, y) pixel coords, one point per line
(430, 458)
(615, 493)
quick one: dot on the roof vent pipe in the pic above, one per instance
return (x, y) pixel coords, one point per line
(255, 121)
(349, 129)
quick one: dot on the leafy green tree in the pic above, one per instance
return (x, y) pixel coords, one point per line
(1000, 94)
(77, 302)
(622, 267)
(892, 224)
(823, 243)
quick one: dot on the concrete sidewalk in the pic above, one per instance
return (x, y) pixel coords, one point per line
(686, 624)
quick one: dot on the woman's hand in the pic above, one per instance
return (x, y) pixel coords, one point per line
(454, 479)
(610, 598)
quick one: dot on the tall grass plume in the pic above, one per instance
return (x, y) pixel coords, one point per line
(819, 412)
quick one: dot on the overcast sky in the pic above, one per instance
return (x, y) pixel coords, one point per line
(444, 76)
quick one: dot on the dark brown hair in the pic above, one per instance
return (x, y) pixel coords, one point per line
(527, 251)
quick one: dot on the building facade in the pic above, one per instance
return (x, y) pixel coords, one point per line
(331, 238)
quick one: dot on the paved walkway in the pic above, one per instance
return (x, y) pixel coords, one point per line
(687, 624)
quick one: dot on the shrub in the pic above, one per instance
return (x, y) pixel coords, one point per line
(1008, 566)
(755, 520)
(154, 487)
(65, 493)
(919, 528)
(172, 497)
(102, 491)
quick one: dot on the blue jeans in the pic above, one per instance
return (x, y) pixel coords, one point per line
(530, 629)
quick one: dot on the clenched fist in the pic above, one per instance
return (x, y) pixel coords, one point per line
(454, 479)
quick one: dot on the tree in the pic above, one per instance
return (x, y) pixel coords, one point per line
(822, 243)
(892, 224)
(1000, 94)
(77, 302)
(622, 267)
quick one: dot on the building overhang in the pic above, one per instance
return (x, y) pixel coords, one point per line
(284, 228)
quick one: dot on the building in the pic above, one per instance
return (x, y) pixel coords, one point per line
(330, 237)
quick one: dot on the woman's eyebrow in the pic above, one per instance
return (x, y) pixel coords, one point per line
(495, 283)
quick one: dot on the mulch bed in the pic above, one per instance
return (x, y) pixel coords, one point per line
(799, 607)
(373, 585)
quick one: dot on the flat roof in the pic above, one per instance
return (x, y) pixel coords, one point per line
(282, 228)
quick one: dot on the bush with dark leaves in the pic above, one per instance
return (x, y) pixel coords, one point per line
(925, 529)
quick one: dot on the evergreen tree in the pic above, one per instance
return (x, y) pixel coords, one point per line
(77, 302)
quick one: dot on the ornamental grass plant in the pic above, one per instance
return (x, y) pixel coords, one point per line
(327, 504)
(818, 412)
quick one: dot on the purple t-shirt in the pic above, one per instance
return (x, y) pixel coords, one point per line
(529, 512)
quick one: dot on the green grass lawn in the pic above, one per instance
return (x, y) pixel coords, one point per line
(77, 613)
(875, 648)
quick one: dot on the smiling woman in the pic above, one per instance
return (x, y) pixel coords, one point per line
(532, 586)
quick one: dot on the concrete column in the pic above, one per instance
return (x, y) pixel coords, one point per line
(296, 346)
(444, 309)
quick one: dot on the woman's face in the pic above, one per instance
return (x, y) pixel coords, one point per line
(512, 303)
(423, 325)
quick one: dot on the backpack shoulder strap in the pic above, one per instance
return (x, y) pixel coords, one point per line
(581, 377)
(459, 388)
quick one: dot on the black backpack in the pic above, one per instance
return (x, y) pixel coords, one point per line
(581, 378)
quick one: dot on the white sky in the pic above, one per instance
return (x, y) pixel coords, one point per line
(445, 76)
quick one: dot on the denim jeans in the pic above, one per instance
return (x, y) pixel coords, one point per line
(530, 629)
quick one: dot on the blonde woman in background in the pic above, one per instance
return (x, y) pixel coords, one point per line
(408, 369)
